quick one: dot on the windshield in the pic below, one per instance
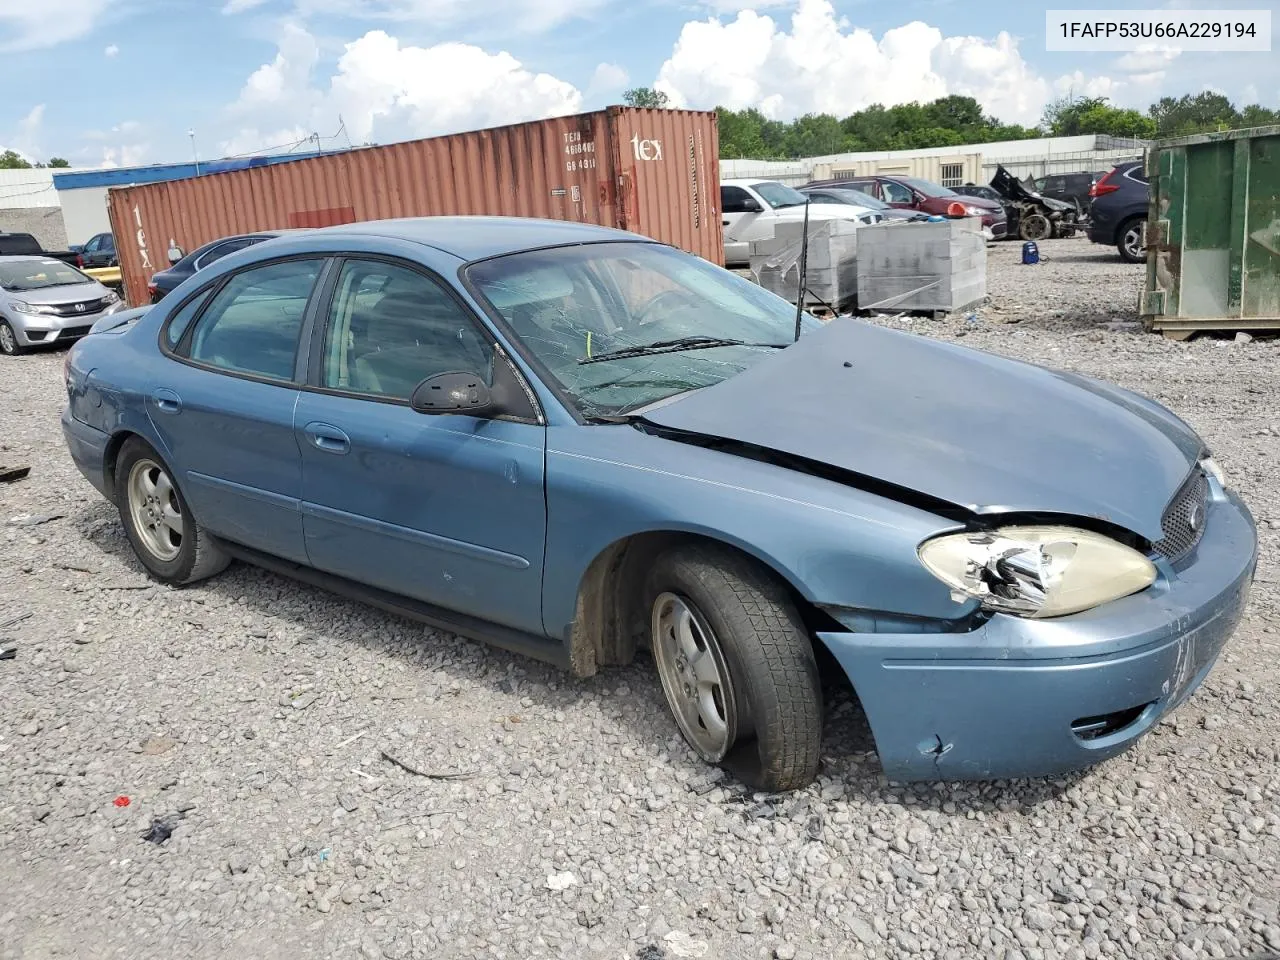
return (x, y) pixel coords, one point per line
(861, 199)
(928, 188)
(570, 303)
(38, 274)
(778, 194)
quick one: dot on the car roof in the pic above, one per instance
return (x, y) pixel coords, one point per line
(31, 257)
(477, 238)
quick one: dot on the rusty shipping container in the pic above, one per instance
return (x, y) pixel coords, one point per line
(654, 172)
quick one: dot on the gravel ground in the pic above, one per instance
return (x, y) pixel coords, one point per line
(250, 716)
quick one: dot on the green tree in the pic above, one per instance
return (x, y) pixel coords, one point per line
(1256, 116)
(646, 97)
(740, 133)
(58, 162)
(814, 135)
(1193, 113)
(12, 160)
(956, 113)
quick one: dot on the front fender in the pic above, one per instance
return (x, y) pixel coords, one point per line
(835, 544)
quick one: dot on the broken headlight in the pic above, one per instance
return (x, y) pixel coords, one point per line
(1210, 466)
(1036, 571)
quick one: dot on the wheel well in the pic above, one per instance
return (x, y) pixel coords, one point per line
(111, 455)
(610, 622)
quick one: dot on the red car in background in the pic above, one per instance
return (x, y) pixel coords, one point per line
(912, 193)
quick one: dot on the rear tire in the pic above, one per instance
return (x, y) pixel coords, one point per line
(9, 344)
(1129, 241)
(168, 541)
(771, 698)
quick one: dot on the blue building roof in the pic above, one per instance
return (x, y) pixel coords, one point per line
(160, 172)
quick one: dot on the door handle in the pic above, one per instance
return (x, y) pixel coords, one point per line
(724, 223)
(167, 401)
(330, 439)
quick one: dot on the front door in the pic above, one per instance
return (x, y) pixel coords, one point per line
(224, 405)
(446, 509)
(745, 218)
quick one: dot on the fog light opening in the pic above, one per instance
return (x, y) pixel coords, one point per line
(1104, 725)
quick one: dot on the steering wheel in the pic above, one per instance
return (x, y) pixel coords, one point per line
(667, 299)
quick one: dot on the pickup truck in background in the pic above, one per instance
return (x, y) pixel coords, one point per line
(26, 245)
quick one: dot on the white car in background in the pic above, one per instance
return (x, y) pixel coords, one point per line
(750, 209)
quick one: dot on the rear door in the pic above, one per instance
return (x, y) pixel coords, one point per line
(224, 406)
(447, 509)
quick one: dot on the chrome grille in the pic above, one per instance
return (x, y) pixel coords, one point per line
(1184, 521)
(69, 309)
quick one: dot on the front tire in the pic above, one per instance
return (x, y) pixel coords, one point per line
(736, 665)
(9, 344)
(1035, 227)
(168, 541)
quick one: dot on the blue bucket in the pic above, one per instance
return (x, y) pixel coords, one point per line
(1030, 252)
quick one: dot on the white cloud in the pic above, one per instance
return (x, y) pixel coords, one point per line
(26, 139)
(824, 65)
(607, 80)
(388, 91)
(28, 25)
(514, 16)
(232, 7)
(122, 145)
(1148, 58)
(111, 51)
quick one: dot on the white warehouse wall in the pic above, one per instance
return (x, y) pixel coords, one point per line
(84, 213)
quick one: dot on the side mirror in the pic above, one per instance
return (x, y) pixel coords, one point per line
(464, 393)
(175, 254)
(751, 205)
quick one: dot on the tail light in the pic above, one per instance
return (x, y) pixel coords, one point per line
(1104, 186)
(79, 261)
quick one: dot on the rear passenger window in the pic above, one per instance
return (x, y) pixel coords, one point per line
(179, 322)
(252, 323)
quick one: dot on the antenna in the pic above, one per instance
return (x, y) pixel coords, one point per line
(804, 267)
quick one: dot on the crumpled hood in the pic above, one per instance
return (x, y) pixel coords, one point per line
(979, 431)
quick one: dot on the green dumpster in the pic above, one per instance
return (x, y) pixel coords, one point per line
(1213, 233)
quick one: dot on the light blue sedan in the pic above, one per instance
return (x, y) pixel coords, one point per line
(576, 443)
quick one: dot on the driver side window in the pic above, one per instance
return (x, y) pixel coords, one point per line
(734, 200)
(390, 328)
(896, 193)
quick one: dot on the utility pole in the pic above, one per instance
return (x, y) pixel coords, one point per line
(192, 134)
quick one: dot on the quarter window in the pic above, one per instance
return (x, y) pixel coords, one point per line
(252, 323)
(391, 327)
(179, 322)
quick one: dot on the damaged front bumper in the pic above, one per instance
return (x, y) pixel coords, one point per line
(1026, 698)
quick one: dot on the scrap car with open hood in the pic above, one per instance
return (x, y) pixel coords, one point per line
(577, 443)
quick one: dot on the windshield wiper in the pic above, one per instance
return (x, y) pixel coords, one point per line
(674, 346)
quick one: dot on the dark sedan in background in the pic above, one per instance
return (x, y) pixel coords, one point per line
(857, 198)
(184, 266)
(987, 192)
(912, 193)
(1119, 210)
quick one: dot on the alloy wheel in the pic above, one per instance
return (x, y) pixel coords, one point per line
(695, 676)
(155, 511)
